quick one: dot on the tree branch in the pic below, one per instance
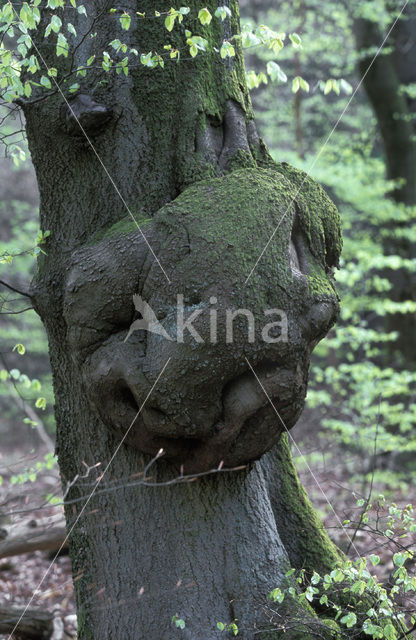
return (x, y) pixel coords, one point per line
(12, 288)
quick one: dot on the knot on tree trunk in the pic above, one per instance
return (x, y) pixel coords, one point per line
(82, 115)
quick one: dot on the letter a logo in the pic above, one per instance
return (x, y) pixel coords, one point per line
(148, 322)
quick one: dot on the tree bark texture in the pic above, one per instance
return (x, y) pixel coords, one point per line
(181, 146)
(385, 83)
(382, 83)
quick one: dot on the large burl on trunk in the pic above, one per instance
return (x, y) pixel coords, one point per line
(181, 146)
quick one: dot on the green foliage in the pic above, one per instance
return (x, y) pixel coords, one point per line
(373, 391)
(30, 473)
(178, 622)
(23, 73)
(23, 340)
(352, 594)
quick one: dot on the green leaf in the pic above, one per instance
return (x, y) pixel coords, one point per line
(71, 29)
(345, 87)
(222, 13)
(221, 626)
(170, 22)
(62, 46)
(125, 21)
(40, 403)
(295, 84)
(31, 422)
(179, 623)
(56, 23)
(227, 50)
(295, 40)
(20, 348)
(275, 72)
(328, 87)
(372, 630)
(389, 632)
(204, 16)
(28, 89)
(277, 595)
(374, 559)
(45, 82)
(349, 620)
(399, 559)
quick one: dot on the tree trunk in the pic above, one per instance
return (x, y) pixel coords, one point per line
(384, 82)
(207, 551)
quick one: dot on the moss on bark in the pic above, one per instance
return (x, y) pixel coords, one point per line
(311, 548)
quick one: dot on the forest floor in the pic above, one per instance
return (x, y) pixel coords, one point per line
(333, 478)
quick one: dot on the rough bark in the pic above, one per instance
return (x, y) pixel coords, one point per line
(209, 550)
(384, 83)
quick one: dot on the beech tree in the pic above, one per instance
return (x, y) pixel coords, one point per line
(160, 197)
(389, 82)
